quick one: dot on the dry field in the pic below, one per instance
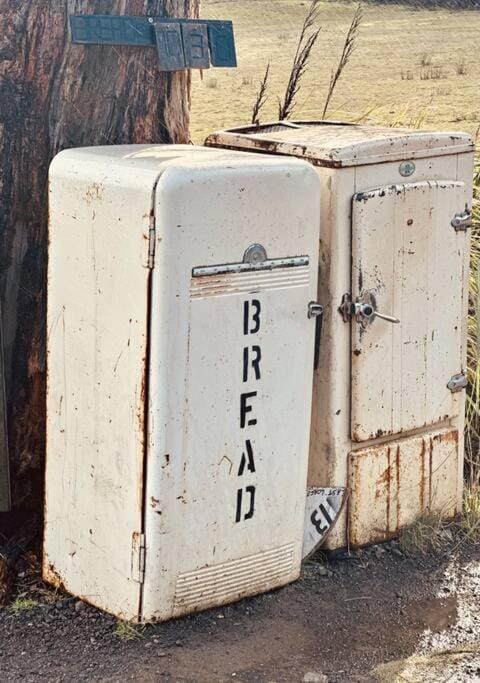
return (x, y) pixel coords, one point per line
(411, 67)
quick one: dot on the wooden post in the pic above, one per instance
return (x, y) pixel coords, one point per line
(55, 95)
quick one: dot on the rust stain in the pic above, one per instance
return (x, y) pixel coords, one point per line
(422, 477)
(397, 472)
(51, 575)
(94, 191)
(387, 528)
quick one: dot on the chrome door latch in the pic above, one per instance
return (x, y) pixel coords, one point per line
(314, 310)
(462, 221)
(363, 309)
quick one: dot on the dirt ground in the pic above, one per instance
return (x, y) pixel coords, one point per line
(411, 66)
(375, 615)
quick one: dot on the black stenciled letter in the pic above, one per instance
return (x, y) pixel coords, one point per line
(247, 459)
(255, 317)
(245, 409)
(255, 361)
(251, 510)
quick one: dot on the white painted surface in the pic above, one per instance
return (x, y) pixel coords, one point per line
(322, 510)
(211, 557)
(134, 352)
(352, 159)
(406, 252)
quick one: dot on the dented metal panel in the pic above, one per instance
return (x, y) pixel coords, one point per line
(407, 256)
(393, 483)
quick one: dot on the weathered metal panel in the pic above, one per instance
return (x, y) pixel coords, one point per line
(392, 483)
(227, 467)
(195, 45)
(336, 144)
(172, 484)
(406, 252)
(100, 209)
(352, 159)
(171, 55)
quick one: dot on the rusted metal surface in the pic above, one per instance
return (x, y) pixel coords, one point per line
(405, 253)
(335, 144)
(391, 484)
(405, 363)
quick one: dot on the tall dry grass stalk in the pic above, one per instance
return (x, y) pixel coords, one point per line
(348, 50)
(306, 43)
(472, 427)
(261, 98)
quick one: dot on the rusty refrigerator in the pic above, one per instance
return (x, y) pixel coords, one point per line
(389, 389)
(180, 366)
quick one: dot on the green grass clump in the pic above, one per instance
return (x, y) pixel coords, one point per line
(23, 604)
(125, 630)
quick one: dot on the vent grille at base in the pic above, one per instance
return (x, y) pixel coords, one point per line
(233, 580)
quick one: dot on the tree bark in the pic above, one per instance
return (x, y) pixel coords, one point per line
(55, 95)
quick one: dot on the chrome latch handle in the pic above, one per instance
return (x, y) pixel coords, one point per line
(388, 318)
(364, 309)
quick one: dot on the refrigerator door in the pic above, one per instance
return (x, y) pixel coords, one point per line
(230, 380)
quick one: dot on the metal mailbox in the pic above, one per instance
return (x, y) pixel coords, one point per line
(388, 410)
(180, 356)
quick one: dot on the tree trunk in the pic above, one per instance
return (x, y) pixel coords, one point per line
(55, 95)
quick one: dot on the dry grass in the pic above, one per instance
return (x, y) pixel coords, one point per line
(391, 38)
(428, 533)
(471, 514)
(306, 42)
(261, 98)
(347, 52)
(125, 630)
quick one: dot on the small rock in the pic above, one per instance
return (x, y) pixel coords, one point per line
(79, 606)
(379, 551)
(178, 643)
(161, 653)
(397, 552)
(314, 677)
(322, 570)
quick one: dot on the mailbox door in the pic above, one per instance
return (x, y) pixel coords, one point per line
(407, 254)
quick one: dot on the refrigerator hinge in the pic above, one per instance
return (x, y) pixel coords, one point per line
(138, 557)
(151, 242)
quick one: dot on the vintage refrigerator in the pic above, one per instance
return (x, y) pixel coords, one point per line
(181, 324)
(389, 389)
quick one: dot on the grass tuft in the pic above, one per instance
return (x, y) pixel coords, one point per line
(125, 630)
(471, 514)
(426, 534)
(23, 604)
